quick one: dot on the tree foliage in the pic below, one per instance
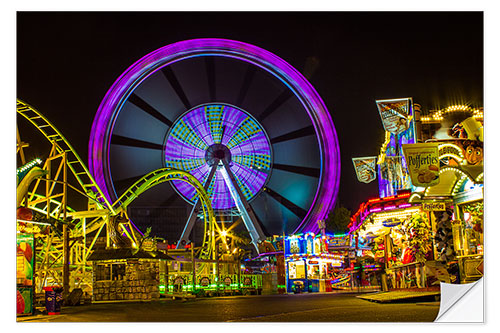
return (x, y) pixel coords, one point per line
(338, 219)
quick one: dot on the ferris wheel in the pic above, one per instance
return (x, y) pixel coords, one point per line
(240, 119)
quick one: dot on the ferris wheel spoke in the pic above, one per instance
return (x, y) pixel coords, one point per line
(306, 171)
(300, 133)
(126, 141)
(247, 81)
(298, 211)
(146, 107)
(171, 198)
(284, 96)
(174, 82)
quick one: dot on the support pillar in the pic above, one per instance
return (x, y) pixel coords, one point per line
(65, 262)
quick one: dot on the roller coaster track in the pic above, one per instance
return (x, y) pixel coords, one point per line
(75, 163)
(90, 187)
(168, 174)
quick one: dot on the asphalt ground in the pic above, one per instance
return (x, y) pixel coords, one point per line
(317, 307)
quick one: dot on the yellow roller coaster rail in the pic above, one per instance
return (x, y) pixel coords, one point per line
(74, 161)
(168, 174)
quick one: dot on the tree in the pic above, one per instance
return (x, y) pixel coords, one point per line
(338, 219)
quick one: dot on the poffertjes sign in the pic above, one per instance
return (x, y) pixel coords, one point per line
(422, 160)
(433, 206)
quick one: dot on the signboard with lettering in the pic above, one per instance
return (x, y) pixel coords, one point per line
(433, 206)
(339, 241)
(423, 163)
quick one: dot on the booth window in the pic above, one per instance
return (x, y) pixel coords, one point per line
(296, 270)
(107, 272)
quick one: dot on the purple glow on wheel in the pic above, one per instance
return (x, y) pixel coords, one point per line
(116, 96)
(219, 125)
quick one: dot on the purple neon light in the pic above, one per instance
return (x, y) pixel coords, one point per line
(112, 102)
(404, 205)
(198, 129)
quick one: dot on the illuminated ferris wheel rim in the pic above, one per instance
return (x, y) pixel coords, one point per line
(116, 96)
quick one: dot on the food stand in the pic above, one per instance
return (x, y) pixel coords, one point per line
(436, 173)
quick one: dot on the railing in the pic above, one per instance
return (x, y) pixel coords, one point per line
(182, 282)
(410, 275)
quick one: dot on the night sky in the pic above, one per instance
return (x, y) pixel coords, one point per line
(67, 61)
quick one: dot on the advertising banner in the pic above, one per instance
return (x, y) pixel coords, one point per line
(461, 152)
(24, 301)
(25, 263)
(365, 168)
(423, 163)
(25, 259)
(395, 114)
(399, 124)
(393, 175)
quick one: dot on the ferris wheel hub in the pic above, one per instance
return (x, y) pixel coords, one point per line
(217, 152)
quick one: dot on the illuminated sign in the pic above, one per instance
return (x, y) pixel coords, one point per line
(294, 246)
(433, 206)
(296, 270)
(391, 222)
(204, 281)
(227, 281)
(149, 244)
(422, 160)
(339, 241)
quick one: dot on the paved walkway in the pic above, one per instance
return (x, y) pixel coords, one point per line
(306, 307)
(395, 296)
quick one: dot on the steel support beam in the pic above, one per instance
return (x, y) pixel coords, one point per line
(243, 206)
(196, 208)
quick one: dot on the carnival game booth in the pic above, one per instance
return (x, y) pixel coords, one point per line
(309, 265)
(343, 246)
(270, 265)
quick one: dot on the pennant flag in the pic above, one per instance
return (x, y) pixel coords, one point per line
(395, 114)
(365, 168)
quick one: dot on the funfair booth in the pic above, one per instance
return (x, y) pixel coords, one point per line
(456, 201)
(310, 267)
(429, 232)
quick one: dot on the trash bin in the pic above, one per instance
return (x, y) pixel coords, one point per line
(298, 286)
(53, 300)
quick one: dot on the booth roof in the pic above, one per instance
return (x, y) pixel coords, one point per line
(127, 254)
